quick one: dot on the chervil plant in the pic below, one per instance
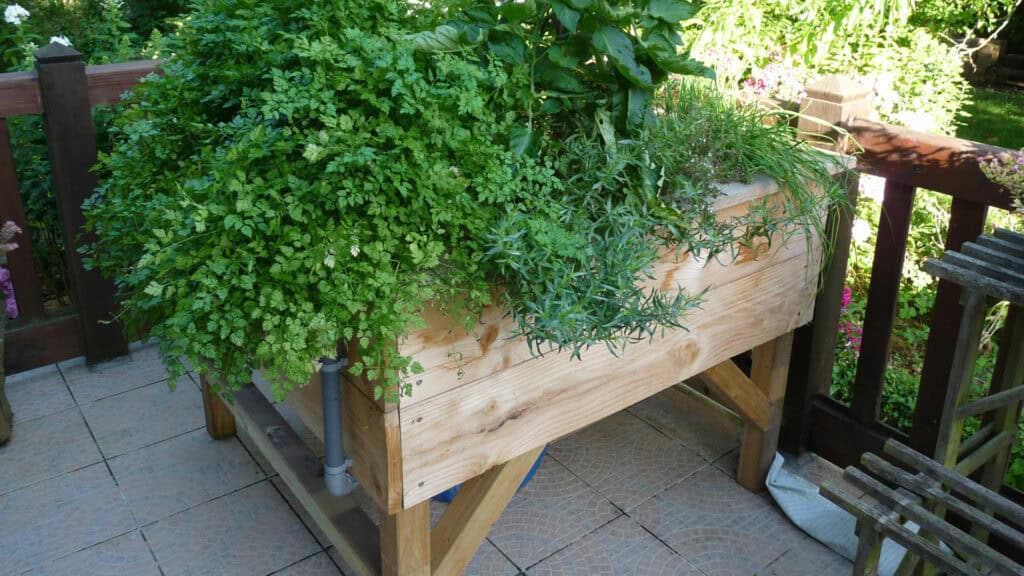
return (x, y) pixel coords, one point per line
(304, 176)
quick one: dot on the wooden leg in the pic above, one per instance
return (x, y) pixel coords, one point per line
(405, 542)
(467, 521)
(869, 550)
(769, 373)
(220, 423)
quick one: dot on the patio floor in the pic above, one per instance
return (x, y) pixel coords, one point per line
(109, 472)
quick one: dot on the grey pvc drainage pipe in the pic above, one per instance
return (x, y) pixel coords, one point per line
(336, 465)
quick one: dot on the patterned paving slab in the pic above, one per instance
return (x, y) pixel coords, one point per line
(319, 564)
(59, 516)
(625, 459)
(179, 473)
(144, 416)
(717, 525)
(809, 558)
(88, 383)
(554, 510)
(37, 393)
(44, 448)
(251, 532)
(709, 432)
(620, 548)
(124, 555)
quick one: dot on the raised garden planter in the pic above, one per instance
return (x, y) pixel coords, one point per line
(484, 405)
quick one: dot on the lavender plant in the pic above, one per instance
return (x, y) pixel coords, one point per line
(1007, 171)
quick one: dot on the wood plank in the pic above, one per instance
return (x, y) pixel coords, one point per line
(23, 271)
(341, 519)
(19, 91)
(967, 221)
(36, 344)
(838, 438)
(908, 507)
(883, 297)
(456, 436)
(405, 542)
(372, 438)
(71, 141)
(107, 82)
(453, 357)
(932, 490)
(750, 402)
(814, 345)
(932, 161)
(961, 375)
(769, 373)
(220, 423)
(19, 94)
(990, 402)
(468, 520)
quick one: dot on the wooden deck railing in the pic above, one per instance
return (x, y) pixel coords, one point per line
(908, 160)
(64, 91)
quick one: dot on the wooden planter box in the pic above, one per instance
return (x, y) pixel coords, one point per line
(485, 404)
(484, 399)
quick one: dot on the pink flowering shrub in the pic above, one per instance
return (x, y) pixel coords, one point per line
(851, 331)
(1007, 171)
(7, 233)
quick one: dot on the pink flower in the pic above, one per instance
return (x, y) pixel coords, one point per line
(7, 287)
(847, 298)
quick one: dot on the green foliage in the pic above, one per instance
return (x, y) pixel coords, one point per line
(916, 76)
(303, 177)
(963, 18)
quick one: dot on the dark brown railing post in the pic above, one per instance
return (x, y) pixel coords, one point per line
(71, 139)
(966, 222)
(834, 101)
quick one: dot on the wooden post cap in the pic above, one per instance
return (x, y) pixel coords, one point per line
(55, 52)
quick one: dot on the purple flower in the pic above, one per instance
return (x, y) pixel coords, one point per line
(847, 298)
(7, 287)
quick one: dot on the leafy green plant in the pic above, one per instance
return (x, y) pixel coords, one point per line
(304, 177)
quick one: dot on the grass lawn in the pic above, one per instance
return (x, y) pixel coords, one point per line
(995, 117)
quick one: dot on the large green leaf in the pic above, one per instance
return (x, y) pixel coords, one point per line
(580, 4)
(523, 140)
(666, 57)
(569, 54)
(517, 11)
(508, 47)
(567, 16)
(638, 107)
(672, 11)
(554, 78)
(618, 47)
(444, 38)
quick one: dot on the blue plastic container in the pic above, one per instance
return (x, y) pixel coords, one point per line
(450, 493)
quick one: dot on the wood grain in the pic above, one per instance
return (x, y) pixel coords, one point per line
(405, 542)
(750, 402)
(19, 91)
(476, 508)
(455, 436)
(452, 357)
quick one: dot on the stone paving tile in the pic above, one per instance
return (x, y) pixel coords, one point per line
(179, 473)
(144, 416)
(554, 510)
(37, 393)
(127, 555)
(488, 560)
(809, 558)
(59, 516)
(88, 383)
(46, 447)
(729, 463)
(625, 459)
(316, 565)
(711, 434)
(620, 548)
(251, 532)
(717, 525)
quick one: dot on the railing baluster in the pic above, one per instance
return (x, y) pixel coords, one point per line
(23, 272)
(883, 295)
(966, 223)
(71, 140)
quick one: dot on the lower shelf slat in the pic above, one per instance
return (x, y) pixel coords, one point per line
(340, 518)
